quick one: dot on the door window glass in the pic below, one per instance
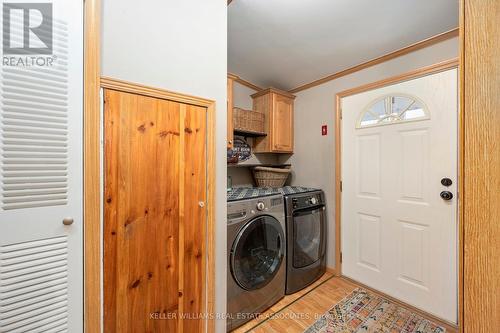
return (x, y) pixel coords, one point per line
(393, 109)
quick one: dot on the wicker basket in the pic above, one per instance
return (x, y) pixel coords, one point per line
(248, 120)
(270, 177)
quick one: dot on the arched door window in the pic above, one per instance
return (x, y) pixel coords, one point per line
(393, 109)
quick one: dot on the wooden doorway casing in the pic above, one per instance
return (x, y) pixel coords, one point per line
(480, 195)
(439, 67)
(473, 117)
(92, 167)
(92, 171)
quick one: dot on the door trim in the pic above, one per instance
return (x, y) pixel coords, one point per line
(92, 196)
(480, 125)
(436, 68)
(92, 235)
(91, 168)
(139, 89)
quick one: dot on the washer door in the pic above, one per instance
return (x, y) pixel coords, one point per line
(257, 253)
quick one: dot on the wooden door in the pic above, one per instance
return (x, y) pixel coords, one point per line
(154, 214)
(399, 235)
(282, 124)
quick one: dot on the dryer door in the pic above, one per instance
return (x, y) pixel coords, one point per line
(257, 252)
(309, 236)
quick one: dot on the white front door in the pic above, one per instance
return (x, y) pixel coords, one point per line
(399, 235)
(41, 121)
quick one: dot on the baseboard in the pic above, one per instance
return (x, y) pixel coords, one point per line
(331, 270)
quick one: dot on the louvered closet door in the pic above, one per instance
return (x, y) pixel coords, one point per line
(41, 119)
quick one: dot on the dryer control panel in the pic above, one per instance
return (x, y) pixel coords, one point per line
(306, 201)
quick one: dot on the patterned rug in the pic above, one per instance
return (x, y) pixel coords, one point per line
(363, 311)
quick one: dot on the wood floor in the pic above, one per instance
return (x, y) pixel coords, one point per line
(295, 313)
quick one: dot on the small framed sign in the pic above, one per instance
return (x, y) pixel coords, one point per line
(241, 151)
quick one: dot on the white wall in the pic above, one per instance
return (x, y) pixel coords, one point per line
(180, 46)
(242, 96)
(314, 159)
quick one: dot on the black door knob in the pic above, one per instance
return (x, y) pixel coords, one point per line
(446, 195)
(446, 182)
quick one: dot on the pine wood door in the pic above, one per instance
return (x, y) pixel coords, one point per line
(154, 214)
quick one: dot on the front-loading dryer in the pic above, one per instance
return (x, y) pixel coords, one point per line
(256, 274)
(306, 228)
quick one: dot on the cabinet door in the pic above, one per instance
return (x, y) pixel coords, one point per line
(282, 124)
(229, 113)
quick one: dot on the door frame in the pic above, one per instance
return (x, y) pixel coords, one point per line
(93, 315)
(473, 118)
(421, 72)
(92, 233)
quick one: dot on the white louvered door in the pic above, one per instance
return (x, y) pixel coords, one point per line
(41, 121)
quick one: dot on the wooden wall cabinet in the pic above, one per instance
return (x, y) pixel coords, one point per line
(230, 134)
(277, 106)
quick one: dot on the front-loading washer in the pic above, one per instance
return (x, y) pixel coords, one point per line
(256, 246)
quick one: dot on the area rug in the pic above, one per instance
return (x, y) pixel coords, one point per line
(363, 311)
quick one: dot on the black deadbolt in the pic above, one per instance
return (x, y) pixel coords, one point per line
(446, 195)
(446, 182)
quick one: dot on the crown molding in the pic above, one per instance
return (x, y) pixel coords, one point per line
(246, 83)
(398, 53)
(275, 91)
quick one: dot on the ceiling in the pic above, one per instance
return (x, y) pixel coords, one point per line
(287, 43)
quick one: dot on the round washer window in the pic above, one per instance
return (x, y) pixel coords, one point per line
(257, 252)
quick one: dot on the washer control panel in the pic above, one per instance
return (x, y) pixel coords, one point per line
(240, 210)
